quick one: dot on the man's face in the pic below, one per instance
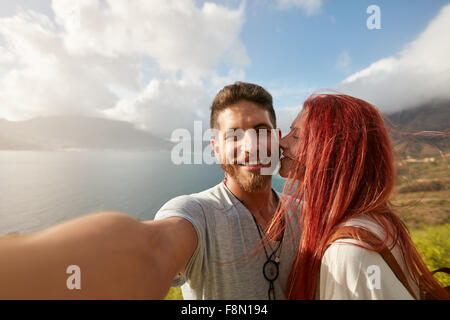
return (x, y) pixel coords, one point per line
(243, 145)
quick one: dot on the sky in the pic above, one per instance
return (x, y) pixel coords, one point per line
(159, 63)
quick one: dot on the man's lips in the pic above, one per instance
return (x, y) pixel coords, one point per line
(253, 165)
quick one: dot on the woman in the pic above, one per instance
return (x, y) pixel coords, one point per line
(340, 156)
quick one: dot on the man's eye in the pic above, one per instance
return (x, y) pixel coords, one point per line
(267, 132)
(234, 136)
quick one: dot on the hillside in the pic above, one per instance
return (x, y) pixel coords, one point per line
(75, 132)
(433, 116)
(78, 132)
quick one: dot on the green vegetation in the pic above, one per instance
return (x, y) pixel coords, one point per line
(174, 294)
(433, 243)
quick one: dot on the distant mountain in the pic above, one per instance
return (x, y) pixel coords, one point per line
(78, 132)
(432, 116)
(75, 132)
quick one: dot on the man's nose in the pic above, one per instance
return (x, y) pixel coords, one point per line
(250, 141)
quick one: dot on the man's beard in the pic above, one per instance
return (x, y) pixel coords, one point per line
(249, 181)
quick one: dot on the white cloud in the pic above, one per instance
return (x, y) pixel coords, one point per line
(417, 74)
(163, 106)
(311, 7)
(150, 62)
(41, 78)
(178, 35)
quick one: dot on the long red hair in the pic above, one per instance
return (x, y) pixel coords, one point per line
(344, 168)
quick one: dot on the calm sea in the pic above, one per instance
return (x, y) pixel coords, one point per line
(41, 189)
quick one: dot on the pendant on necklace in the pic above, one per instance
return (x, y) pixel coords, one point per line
(270, 270)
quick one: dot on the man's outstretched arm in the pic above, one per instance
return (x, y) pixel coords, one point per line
(118, 256)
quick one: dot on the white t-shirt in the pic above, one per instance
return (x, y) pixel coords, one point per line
(227, 232)
(349, 272)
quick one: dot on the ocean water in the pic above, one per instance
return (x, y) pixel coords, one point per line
(40, 189)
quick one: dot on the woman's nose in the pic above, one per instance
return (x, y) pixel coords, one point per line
(283, 142)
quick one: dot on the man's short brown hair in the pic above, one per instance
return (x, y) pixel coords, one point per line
(238, 91)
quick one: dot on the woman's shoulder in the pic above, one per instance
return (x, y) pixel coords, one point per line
(367, 223)
(349, 251)
(346, 254)
(349, 271)
(348, 267)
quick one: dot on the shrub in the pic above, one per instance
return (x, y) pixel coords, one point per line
(432, 185)
(174, 294)
(433, 243)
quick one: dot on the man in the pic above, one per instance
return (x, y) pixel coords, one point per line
(209, 242)
(224, 217)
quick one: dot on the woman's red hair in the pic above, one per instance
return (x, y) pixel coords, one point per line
(344, 169)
